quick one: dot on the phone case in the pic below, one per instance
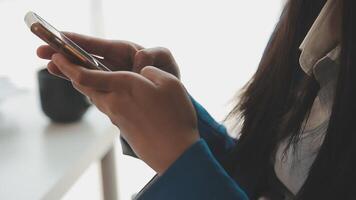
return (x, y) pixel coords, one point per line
(61, 43)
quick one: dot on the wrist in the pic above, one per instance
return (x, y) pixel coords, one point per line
(174, 153)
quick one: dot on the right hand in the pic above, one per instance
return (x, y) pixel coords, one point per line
(152, 109)
(118, 55)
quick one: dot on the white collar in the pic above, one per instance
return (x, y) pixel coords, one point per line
(320, 57)
(323, 38)
(320, 52)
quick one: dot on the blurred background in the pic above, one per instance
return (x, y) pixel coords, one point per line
(217, 45)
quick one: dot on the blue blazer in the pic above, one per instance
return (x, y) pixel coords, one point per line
(197, 174)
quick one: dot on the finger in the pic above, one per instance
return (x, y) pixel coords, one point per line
(95, 79)
(99, 80)
(96, 97)
(159, 57)
(87, 91)
(99, 46)
(90, 44)
(45, 52)
(53, 69)
(157, 76)
(115, 54)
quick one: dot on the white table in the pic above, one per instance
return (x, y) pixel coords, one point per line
(42, 160)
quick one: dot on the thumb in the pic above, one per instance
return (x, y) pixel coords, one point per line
(157, 76)
(159, 57)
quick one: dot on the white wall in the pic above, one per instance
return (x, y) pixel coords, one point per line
(217, 44)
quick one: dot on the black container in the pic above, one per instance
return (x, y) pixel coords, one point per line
(60, 101)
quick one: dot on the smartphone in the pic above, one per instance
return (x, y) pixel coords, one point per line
(62, 44)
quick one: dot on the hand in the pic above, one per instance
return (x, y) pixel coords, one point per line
(152, 109)
(117, 55)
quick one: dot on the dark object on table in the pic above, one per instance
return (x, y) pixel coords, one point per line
(60, 101)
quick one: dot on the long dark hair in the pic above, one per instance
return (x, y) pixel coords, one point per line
(277, 100)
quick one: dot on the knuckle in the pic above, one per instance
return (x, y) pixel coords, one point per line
(146, 70)
(144, 55)
(164, 51)
(125, 76)
(171, 83)
(80, 77)
(133, 47)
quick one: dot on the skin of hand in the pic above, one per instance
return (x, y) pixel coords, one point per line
(118, 55)
(151, 107)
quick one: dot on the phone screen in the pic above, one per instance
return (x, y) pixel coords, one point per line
(61, 43)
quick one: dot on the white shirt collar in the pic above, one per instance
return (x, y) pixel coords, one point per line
(323, 38)
(320, 52)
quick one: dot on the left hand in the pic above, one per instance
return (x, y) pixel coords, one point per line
(152, 109)
(118, 55)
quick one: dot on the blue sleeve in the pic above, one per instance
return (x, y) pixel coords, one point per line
(195, 175)
(212, 132)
